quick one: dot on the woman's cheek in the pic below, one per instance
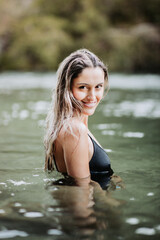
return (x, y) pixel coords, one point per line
(78, 95)
(100, 95)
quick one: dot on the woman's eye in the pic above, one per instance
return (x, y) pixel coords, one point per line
(99, 86)
(82, 87)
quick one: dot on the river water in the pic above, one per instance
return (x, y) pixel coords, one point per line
(127, 124)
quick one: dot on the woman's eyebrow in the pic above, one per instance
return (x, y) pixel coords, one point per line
(100, 83)
(81, 83)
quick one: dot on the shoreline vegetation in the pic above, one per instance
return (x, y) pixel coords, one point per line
(35, 35)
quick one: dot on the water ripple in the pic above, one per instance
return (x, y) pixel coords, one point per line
(148, 108)
(18, 183)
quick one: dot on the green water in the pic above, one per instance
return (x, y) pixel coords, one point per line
(127, 124)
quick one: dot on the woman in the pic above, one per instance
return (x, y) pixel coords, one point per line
(69, 145)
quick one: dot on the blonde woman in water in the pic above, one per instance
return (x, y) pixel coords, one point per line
(69, 145)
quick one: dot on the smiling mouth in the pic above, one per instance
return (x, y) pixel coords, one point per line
(89, 104)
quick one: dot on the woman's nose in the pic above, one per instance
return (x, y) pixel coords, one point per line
(91, 95)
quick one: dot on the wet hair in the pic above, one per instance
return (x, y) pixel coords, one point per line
(64, 104)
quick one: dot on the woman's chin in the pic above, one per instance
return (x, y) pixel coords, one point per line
(88, 112)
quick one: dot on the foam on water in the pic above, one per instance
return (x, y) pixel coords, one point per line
(18, 183)
(33, 214)
(102, 126)
(22, 210)
(132, 221)
(12, 234)
(2, 211)
(54, 232)
(50, 209)
(145, 231)
(108, 132)
(17, 204)
(24, 114)
(133, 134)
(150, 194)
(108, 150)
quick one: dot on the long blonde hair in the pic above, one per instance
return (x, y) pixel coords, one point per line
(64, 104)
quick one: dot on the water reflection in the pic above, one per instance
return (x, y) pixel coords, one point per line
(84, 210)
(74, 211)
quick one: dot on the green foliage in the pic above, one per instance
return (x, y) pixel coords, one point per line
(37, 36)
(130, 12)
(37, 43)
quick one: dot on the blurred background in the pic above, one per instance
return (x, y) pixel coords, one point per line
(35, 35)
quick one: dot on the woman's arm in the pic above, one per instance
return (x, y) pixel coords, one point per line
(75, 149)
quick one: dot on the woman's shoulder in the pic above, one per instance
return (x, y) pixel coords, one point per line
(73, 128)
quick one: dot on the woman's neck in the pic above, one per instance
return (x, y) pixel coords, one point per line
(84, 119)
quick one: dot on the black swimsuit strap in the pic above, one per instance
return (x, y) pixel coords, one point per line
(55, 163)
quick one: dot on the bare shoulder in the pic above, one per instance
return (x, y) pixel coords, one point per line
(74, 142)
(73, 128)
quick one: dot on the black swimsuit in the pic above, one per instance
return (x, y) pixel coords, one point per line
(99, 165)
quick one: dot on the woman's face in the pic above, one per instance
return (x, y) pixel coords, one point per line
(88, 88)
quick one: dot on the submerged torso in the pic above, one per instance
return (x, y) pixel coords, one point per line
(99, 165)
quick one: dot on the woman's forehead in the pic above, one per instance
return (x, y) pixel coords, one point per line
(91, 73)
